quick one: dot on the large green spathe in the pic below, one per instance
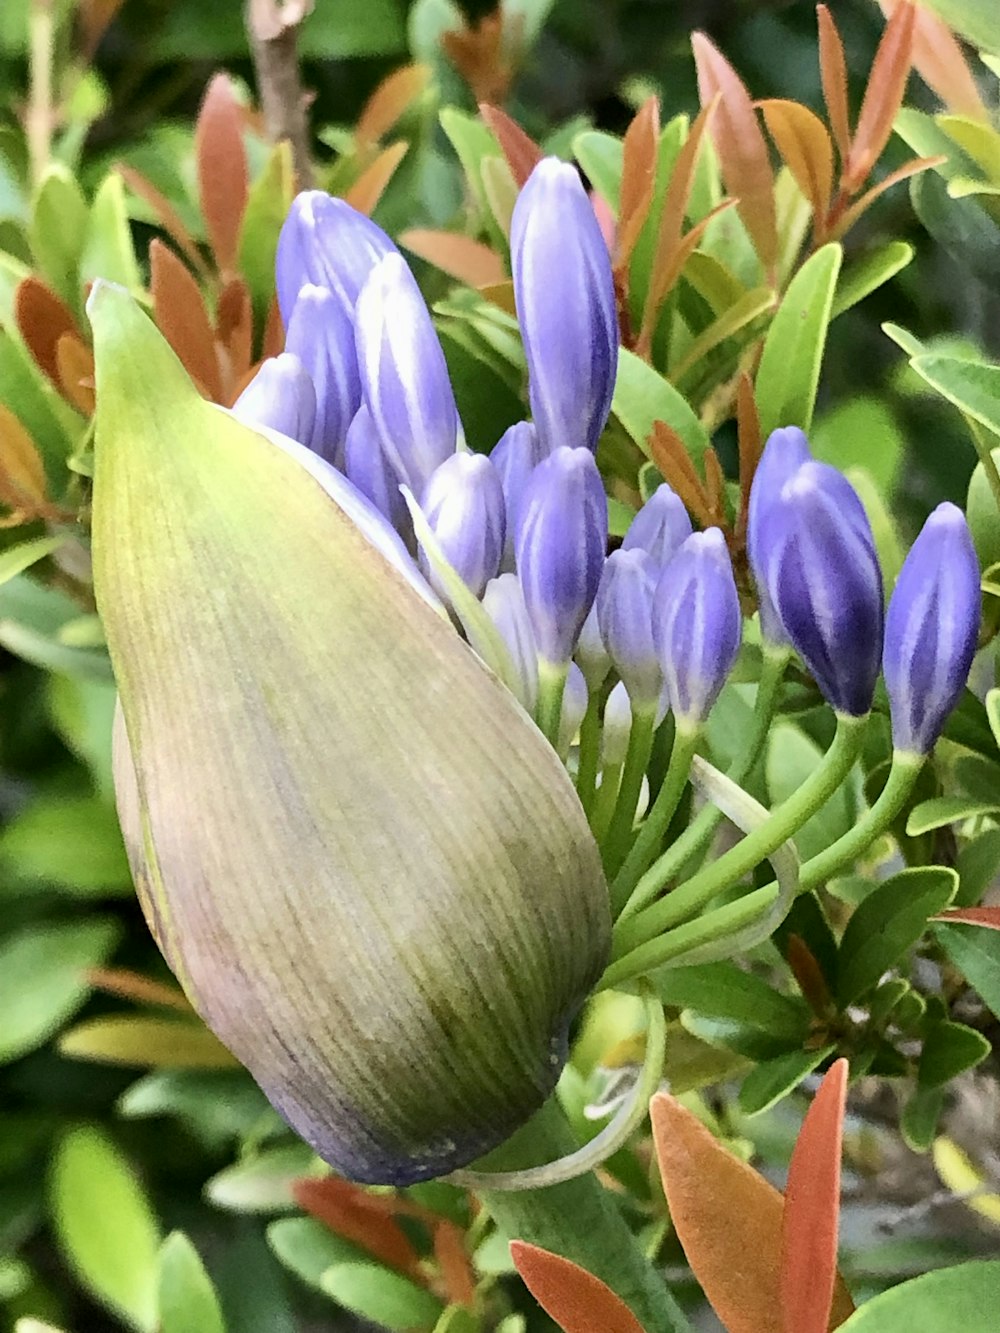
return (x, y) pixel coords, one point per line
(366, 866)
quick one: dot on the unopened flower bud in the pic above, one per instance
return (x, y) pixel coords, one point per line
(403, 373)
(931, 628)
(591, 654)
(784, 453)
(625, 615)
(565, 296)
(463, 504)
(371, 472)
(503, 602)
(817, 553)
(574, 706)
(617, 726)
(321, 335)
(561, 540)
(515, 456)
(326, 242)
(696, 622)
(660, 527)
(280, 396)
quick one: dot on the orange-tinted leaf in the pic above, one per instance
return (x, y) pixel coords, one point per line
(346, 1210)
(234, 330)
(812, 1210)
(142, 990)
(639, 155)
(274, 332)
(75, 364)
(728, 1219)
(180, 312)
(680, 256)
(749, 445)
(459, 256)
(883, 97)
(972, 916)
(94, 18)
(520, 150)
(940, 61)
(741, 147)
(389, 100)
(223, 175)
(715, 488)
(574, 1298)
(833, 74)
(483, 57)
(808, 974)
(368, 189)
(170, 220)
(908, 169)
(674, 462)
(42, 318)
(456, 1267)
(22, 473)
(501, 294)
(804, 144)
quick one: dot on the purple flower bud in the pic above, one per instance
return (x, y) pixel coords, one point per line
(371, 472)
(625, 615)
(574, 705)
(321, 335)
(561, 541)
(326, 242)
(660, 527)
(784, 453)
(463, 504)
(515, 456)
(503, 602)
(565, 297)
(280, 396)
(696, 622)
(403, 373)
(931, 629)
(817, 554)
(591, 653)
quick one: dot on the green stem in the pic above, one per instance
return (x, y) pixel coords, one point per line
(41, 108)
(640, 742)
(784, 821)
(985, 453)
(845, 851)
(699, 832)
(579, 1220)
(548, 711)
(657, 822)
(590, 750)
(604, 804)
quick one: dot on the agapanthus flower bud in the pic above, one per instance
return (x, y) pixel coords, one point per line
(784, 453)
(696, 624)
(660, 527)
(574, 706)
(370, 744)
(560, 544)
(625, 615)
(617, 726)
(321, 334)
(371, 472)
(817, 553)
(591, 654)
(463, 505)
(503, 602)
(515, 456)
(565, 297)
(403, 373)
(931, 628)
(326, 242)
(281, 396)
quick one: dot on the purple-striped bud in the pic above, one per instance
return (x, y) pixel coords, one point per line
(574, 706)
(515, 456)
(625, 616)
(321, 335)
(696, 622)
(280, 396)
(371, 472)
(784, 453)
(817, 554)
(591, 654)
(326, 242)
(403, 373)
(931, 629)
(660, 527)
(503, 602)
(463, 504)
(565, 297)
(560, 544)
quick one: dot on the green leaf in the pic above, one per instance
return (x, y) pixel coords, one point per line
(74, 844)
(887, 924)
(57, 230)
(948, 1050)
(729, 1034)
(643, 396)
(863, 433)
(473, 142)
(973, 387)
(267, 207)
(774, 1079)
(979, 22)
(961, 226)
(975, 951)
(157, 1043)
(16, 559)
(310, 1249)
(940, 811)
(81, 712)
(187, 1299)
(964, 1297)
(50, 422)
(217, 1107)
(918, 1123)
(381, 1296)
(791, 757)
(262, 1183)
(43, 978)
(105, 1226)
(600, 156)
(867, 273)
(190, 30)
(108, 251)
(978, 865)
(793, 349)
(723, 990)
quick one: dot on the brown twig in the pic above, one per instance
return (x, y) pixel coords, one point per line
(273, 27)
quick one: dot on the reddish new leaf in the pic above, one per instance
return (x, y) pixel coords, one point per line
(728, 1219)
(812, 1210)
(883, 97)
(390, 99)
(223, 175)
(368, 189)
(908, 169)
(808, 974)
(459, 256)
(674, 462)
(519, 149)
(137, 988)
(95, 17)
(349, 1212)
(804, 144)
(940, 61)
(22, 472)
(833, 75)
(274, 332)
(971, 916)
(234, 330)
(741, 147)
(453, 1260)
(42, 318)
(749, 446)
(574, 1298)
(180, 312)
(75, 364)
(167, 216)
(639, 156)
